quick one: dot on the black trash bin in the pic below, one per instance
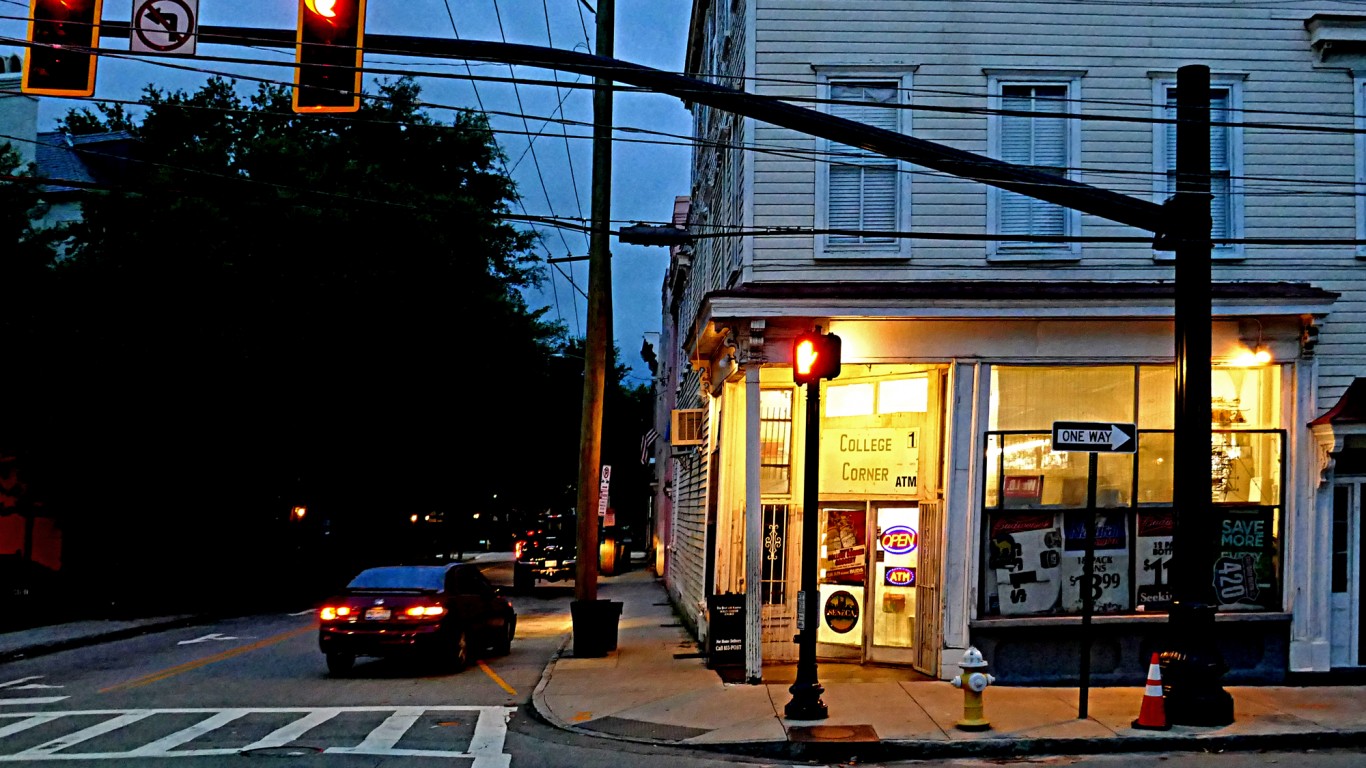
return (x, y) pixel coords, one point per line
(595, 626)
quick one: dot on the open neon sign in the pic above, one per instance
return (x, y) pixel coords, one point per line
(900, 540)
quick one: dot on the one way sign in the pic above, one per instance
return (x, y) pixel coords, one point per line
(1094, 437)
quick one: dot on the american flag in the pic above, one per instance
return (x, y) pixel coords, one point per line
(646, 441)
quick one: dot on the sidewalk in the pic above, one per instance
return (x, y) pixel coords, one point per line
(654, 688)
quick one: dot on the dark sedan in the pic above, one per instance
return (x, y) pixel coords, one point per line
(445, 613)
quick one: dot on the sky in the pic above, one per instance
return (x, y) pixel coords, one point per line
(553, 170)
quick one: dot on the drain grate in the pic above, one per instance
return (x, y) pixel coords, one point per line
(621, 726)
(285, 751)
(846, 733)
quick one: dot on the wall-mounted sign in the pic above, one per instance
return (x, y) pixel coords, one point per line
(1245, 574)
(899, 540)
(1153, 553)
(877, 460)
(1110, 574)
(899, 577)
(841, 612)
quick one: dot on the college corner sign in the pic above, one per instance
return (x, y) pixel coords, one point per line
(876, 461)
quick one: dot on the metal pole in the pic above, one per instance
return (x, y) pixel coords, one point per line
(806, 691)
(599, 321)
(1193, 663)
(1088, 581)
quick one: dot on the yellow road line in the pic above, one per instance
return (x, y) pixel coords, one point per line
(196, 664)
(497, 679)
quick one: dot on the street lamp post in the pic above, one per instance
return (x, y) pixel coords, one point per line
(1193, 664)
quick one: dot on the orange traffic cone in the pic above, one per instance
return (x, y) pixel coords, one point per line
(1152, 716)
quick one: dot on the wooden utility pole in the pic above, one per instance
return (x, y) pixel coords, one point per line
(599, 337)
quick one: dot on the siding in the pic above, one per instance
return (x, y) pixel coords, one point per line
(949, 46)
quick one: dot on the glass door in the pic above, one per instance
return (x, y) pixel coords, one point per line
(843, 569)
(892, 593)
(1348, 576)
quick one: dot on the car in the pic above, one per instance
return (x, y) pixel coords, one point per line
(445, 613)
(545, 553)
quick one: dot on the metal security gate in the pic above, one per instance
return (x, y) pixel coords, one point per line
(929, 618)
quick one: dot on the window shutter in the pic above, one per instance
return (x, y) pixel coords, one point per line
(1040, 142)
(1220, 157)
(863, 186)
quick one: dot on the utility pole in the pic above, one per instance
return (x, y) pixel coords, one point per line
(599, 336)
(1193, 663)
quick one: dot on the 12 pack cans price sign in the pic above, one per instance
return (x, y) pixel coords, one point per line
(1110, 570)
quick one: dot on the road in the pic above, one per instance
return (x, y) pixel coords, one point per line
(235, 691)
(241, 689)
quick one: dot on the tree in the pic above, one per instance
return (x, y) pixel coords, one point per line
(266, 309)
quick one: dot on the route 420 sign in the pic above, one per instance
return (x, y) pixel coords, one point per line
(1094, 437)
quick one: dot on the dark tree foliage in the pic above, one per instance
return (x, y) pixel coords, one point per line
(271, 309)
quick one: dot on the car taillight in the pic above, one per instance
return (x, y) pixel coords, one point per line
(517, 550)
(332, 613)
(425, 610)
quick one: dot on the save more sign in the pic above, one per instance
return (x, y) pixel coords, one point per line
(881, 461)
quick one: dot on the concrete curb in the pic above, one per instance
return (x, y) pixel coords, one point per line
(538, 706)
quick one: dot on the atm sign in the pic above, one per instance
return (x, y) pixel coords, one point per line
(899, 577)
(899, 540)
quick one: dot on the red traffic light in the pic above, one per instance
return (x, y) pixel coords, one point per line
(815, 356)
(330, 54)
(62, 34)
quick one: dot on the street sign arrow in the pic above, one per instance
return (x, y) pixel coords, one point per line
(1094, 437)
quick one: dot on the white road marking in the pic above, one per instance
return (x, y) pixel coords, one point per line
(32, 700)
(207, 638)
(308, 612)
(485, 747)
(20, 680)
(35, 686)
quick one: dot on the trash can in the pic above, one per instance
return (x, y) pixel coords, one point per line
(595, 626)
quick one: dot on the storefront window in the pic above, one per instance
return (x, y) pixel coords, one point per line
(1036, 498)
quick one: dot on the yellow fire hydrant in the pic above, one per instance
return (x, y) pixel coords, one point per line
(973, 681)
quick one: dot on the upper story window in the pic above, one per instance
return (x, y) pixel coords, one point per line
(1361, 164)
(1225, 159)
(1028, 126)
(859, 191)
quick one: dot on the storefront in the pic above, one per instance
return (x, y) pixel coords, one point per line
(947, 520)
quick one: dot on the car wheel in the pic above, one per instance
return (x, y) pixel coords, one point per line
(340, 663)
(460, 651)
(504, 645)
(522, 580)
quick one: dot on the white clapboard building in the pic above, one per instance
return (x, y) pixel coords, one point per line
(946, 518)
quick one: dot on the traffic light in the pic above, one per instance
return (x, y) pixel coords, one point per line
(62, 34)
(815, 356)
(329, 55)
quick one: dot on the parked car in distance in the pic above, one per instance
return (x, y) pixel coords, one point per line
(445, 613)
(545, 553)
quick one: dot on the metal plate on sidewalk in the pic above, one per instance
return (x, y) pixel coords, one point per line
(832, 733)
(621, 726)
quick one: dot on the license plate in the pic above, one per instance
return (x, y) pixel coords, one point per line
(551, 563)
(376, 614)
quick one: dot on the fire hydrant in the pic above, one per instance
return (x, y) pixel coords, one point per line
(973, 681)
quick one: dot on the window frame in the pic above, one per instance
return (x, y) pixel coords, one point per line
(1237, 201)
(1006, 251)
(1359, 108)
(899, 248)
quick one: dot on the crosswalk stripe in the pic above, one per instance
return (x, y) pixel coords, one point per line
(485, 747)
(186, 735)
(85, 734)
(386, 736)
(283, 736)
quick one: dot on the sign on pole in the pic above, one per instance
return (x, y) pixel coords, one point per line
(164, 26)
(1094, 437)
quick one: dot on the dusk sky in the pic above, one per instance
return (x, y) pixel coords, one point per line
(554, 177)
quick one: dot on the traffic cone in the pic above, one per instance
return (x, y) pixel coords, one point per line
(1152, 715)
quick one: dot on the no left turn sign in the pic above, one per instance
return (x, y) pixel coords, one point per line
(164, 26)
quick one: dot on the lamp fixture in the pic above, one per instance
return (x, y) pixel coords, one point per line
(1255, 355)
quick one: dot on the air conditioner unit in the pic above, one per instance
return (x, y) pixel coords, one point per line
(687, 426)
